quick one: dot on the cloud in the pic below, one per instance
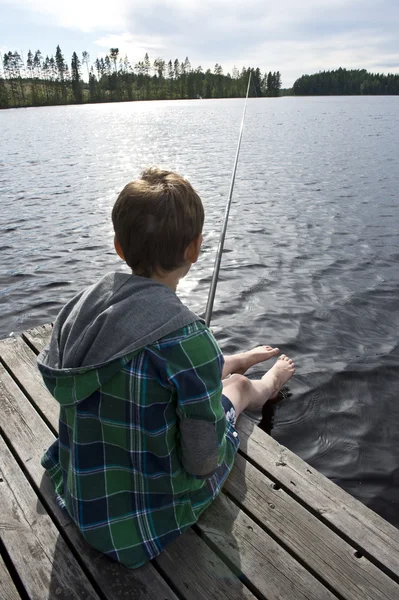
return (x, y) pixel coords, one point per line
(83, 15)
(348, 50)
(288, 36)
(134, 46)
(291, 36)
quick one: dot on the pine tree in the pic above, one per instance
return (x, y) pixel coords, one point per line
(4, 100)
(92, 86)
(176, 67)
(60, 69)
(269, 84)
(159, 67)
(9, 74)
(256, 83)
(207, 85)
(60, 62)
(33, 86)
(113, 54)
(98, 68)
(107, 64)
(278, 82)
(76, 78)
(86, 61)
(147, 64)
(37, 63)
(29, 63)
(16, 68)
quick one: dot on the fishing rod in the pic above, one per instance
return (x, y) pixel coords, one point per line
(218, 260)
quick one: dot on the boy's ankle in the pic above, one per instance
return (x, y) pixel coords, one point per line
(242, 363)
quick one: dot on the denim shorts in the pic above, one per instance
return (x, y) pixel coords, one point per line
(229, 410)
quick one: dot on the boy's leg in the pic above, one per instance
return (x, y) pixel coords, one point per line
(240, 363)
(247, 394)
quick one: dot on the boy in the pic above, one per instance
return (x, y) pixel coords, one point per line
(146, 437)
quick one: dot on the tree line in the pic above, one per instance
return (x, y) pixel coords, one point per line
(42, 81)
(346, 82)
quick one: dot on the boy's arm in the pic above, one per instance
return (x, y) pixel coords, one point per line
(195, 370)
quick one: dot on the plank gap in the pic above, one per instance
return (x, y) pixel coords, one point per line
(229, 564)
(284, 546)
(13, 572)
(360, 550)
(28, 396)
(29, 343)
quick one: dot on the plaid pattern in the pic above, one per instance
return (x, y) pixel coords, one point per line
(116, 466)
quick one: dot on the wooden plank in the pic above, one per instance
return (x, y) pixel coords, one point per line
(38, 337)
(29, 437)
(327, 554)
(20, 360)
(39, 554)
(200, 574)
(273, 573)
(374, 537)
(8, 591)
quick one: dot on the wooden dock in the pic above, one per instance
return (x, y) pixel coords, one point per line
(279, 531)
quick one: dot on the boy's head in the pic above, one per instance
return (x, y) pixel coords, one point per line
(157, 219)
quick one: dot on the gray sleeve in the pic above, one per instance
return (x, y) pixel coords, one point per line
(199, 446)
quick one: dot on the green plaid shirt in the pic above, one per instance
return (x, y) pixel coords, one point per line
(117, 464)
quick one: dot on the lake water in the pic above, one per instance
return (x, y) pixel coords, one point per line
(311, 256)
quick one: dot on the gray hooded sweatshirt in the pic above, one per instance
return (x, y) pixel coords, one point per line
(117, 315)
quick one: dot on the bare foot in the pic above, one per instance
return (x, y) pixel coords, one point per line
(255, 356)
(279, 374)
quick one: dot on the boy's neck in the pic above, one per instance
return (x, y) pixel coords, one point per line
(170, 279)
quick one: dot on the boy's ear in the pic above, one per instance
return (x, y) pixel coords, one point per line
(193, 249)
(118, 249)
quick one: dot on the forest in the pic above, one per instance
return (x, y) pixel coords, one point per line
(343, 82)
(44, 81)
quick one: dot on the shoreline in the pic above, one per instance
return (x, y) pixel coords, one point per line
(199, 100)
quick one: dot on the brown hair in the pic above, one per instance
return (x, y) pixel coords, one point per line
(155, 219)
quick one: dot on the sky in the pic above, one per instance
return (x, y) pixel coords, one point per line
(294, 37)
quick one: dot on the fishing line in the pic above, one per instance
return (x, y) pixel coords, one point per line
(218, 259)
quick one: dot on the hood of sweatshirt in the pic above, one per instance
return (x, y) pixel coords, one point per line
(97, 332)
